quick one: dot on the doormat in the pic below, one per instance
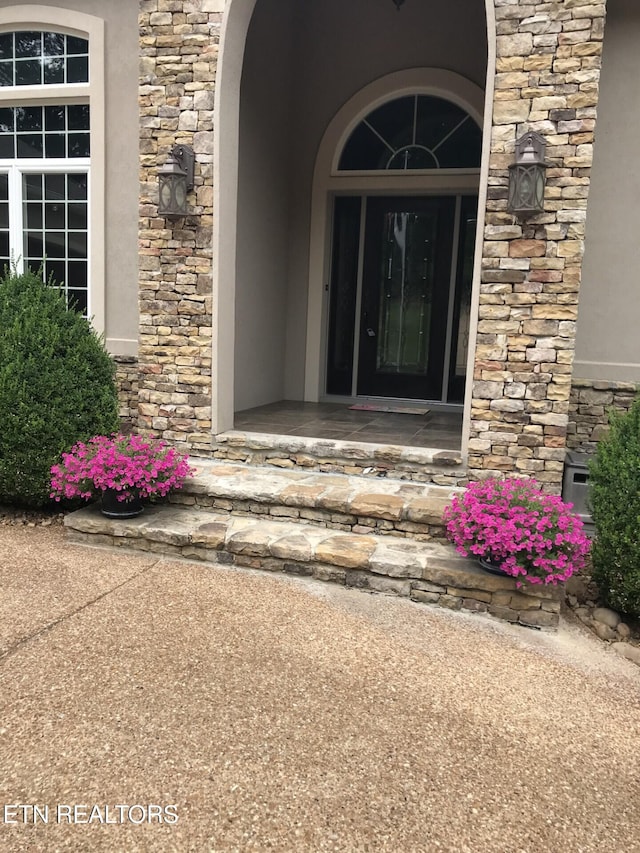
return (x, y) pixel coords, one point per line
(396, 410)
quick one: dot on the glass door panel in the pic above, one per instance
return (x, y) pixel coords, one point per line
(406, 293)
(407, 269)
(344, 287)
(462, 303)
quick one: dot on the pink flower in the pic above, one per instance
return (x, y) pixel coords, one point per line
(118, 462)
(535, 535)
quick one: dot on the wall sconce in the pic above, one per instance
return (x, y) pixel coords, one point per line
(175, 179)
(527, 176)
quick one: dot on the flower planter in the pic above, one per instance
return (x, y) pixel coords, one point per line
(492, 566)
(141, 468)
(130, 507)
(542, 539)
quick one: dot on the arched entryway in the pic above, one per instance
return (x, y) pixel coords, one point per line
(302, 63)
(395, 199)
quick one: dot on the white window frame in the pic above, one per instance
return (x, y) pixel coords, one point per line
(15, 169)
(54, 19)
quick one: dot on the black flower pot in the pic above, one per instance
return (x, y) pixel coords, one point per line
(127, 508)
(494, 567)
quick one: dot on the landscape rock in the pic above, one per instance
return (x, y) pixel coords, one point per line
(606, 617)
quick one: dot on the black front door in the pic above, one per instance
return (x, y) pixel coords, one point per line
(405, 293)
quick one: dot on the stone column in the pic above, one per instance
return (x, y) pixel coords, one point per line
(548, 70)
(178, 56)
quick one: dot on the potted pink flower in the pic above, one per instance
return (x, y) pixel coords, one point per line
(121, 469)
(513, 526)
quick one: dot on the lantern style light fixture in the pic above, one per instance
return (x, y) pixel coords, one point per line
(175, 179)
(527, 176)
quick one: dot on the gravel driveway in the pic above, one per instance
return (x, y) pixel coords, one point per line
(270, 713)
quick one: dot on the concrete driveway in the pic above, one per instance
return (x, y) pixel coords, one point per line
(267, 713)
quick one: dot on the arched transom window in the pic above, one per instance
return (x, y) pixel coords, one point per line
(415, 132)
(45, 157)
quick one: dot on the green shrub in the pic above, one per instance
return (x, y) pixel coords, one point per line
(615, 501)
(56, 386)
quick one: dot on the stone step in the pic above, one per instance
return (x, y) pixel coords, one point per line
(357, 504)
(427, 572)
(421, 464)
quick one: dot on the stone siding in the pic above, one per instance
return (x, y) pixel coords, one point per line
(548, 70)
(590, 404)
(128, 384)
(179, 49)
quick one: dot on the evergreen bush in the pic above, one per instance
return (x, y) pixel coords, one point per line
(56, 385)
(615, 502)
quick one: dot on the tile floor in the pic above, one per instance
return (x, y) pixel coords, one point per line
(337, 421)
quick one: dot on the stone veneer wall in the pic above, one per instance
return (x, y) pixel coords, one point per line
(128, 384)
(179, 48)
(548, 70)
(591, 401)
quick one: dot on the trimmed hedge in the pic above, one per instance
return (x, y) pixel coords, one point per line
(56, 386)
(615, 501)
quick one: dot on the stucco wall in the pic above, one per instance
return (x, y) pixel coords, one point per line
(295, 82)
(263, 208)
(608, 343)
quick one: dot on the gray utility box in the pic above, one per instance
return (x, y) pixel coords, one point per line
(575, 486)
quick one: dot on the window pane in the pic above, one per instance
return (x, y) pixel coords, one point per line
(55, 270)
(54, 70)
(6, 120)
(77, 187)
(77, 214)
(77, 69)
(78, 145)
(414, 132)
(6, 148)
(29, 146)
(54, 244)
(4, 249)
(76, 45)
(40, 57)
(32, 187)
(462, 148)
(364, 150)
(6, 73)
(28, 72)
(53, 44)
(78, 300)
(33, 247)
(54, 118)
(4, 198)
(6, 45)
(394, 121)
(54, 216)
(54, 145)
(78, 117)
(28, 118)
(54, 187)
(77, 244)
(33, 215)
(77, 274)
(28, 44)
